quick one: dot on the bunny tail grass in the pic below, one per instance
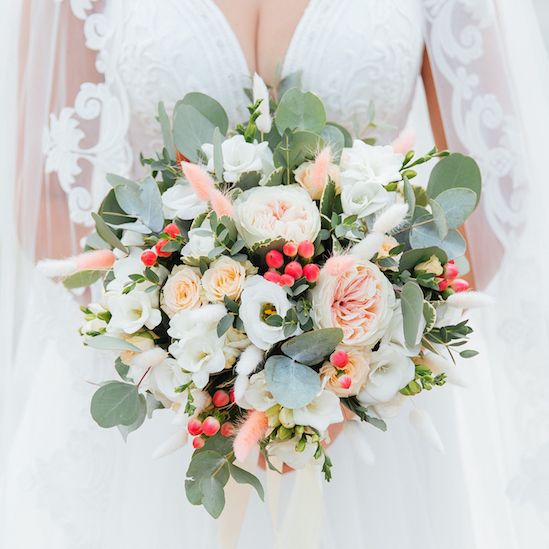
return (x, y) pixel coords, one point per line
(206, 314)
(339, 264)
(221, 204)
(356, 436)
(405, 141)
(249, 434)
(249, 360)
(322, 161)
(200, 179)
(97, 260)
(365, 249)
(176, 441)
(423, 424)
(391, 218)
(470, 300)
(57, 268)
(152, 357)
(240, 386)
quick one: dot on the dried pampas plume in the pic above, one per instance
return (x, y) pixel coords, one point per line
(405, 141)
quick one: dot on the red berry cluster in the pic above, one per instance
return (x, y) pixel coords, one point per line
(298, 265)
(449, 279)
(149, 257)
(210, 422)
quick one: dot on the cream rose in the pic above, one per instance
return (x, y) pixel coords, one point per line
(357, 369)
(432, 265)
(225, 277)
(142, 342)
(303, 175)
(360, 302)
(276, 212)
(181, 291)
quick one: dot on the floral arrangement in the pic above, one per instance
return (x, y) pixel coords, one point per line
(258, 279)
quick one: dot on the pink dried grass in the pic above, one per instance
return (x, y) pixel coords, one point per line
(200, 179)
(405, 141)
(339, 264)
(322, 161)
(95, 261)
(221, 204)
(252, 430)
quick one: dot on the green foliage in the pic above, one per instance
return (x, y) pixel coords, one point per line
(167, 135)
(312, 348)
(110, 210)
(106, 233)
(248, 180)
(207, 107)
(81, 279)
(301, 111)
(457, 204)
(191, 130)
(352, 404)
(116, 403)
(425, 236)
(125, 430)
(412, 312)
(107, 343)
(243, 477)
(218, 154)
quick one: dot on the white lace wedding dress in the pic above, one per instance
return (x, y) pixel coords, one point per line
(70, 484)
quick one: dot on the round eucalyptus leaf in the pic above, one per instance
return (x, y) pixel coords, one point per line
(439, 220)
(311, 348)
(302, 111)
(152, 214)
(207, 464)
(125, 430)
(411, 299)
(111, 211)
(411, 258)
(191, 130)
(192, 489)
(208, 107)
(213, 496)
(115, 404)
(82, 279)
(335, 138)
(425, 236)
(292, 385)
(457, 204)
(348, 140)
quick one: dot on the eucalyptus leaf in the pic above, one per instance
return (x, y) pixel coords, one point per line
(411, 258)
(469, 353)
(293, 80)
(209, 108)
(439, 220)
(207, 464)
(152, 405)
(224, 324)
(115, 180)
(411, 299)
(302, 111)
(218, 443)
(243, 477)
(122, 369)
(106, 233)
(424, 236)
(335, 139)
(292, 385)
(111, 212)
(129, 200)
(462, 263)
(421, 215)
(125, 430)
(192, 489)
(213, 496)
(249, 180)
(457, 204)
(107, 343)
(95, 242)
(116, 403)
(82, 279)
(218, 154)
(191, 130)
(152, 214)
(312, 347)
(166, 130)
(346, 135)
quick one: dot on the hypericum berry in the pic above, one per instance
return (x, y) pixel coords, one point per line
(306, 249)
(339, 359)
(274, 259)
(294, 269)
(311, 272)
(172, 229)
(210, 426)
(287, 280)
(272, 276)
(221, 398)
(231, 395)
(148, 258)
(450, 271)
(459, 285)
(158, 248)
(442, 284)
(290, 249)
(227, 429)
(194, 427)
(198, 442)
(345, 382)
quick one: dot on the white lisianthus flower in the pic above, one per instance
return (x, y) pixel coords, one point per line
(181, 201)
(199, 245)
(276, 212)
(321, 412)
(259, 299)
(258, 395)
(363, 198)
(285, 451)
(261, 93)
(165, 378)
(198, 350)
(130, 312)
(240, 157)
(391, 409)
(92, 326)
(394, 336)
(390, 371)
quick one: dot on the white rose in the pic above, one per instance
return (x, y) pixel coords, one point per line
(224, 277)
(394, 336)
(240, 157)
(363, 198)
(181, 201)
(182, 290)
(199, 245)
(257, 395)
(324, 410)
(285, 451)
(276, 212)
(130, 312)
(390, 371)
(260, 295)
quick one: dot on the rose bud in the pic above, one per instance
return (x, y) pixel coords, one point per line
(339, 359)
(194, 427)
(148, 258)
(294, 269)
(158, 248)
(287, 280)
(442, 284)
(172, 229)
(290, 249)
(306, 249)
(274, 259)
(459, 285)
(311, 272)
(210, 426)
(272, 276)
(198, 442)
(345, 382)
(450, 271)
(221, 398)
(227, 429)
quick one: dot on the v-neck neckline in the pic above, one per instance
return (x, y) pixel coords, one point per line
(238, 46)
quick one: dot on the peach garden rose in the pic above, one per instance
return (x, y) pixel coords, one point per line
(357, 369)
(181, 291)
(224, 277)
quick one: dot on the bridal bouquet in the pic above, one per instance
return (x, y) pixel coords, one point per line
(261, 277)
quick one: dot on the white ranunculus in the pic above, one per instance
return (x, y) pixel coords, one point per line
(261, 93)
(130, 312)
(324, 410)
(258, 395)
(394, 336)
(285, 451)
(258, 295)
(198, 349)
(390, 371)
(276, 212)
(240, 157)
(181, 201)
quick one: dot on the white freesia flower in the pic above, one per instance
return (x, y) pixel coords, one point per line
(321, 412)
(258, 395)
(95, 325)
(394, 336)
(391, 409)
(258, 297)
(390, 371)
(261, 92)
(181, 201)
(285, 451)
(276, 212)
(240, 157)
(198, 349)
(130, 312)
